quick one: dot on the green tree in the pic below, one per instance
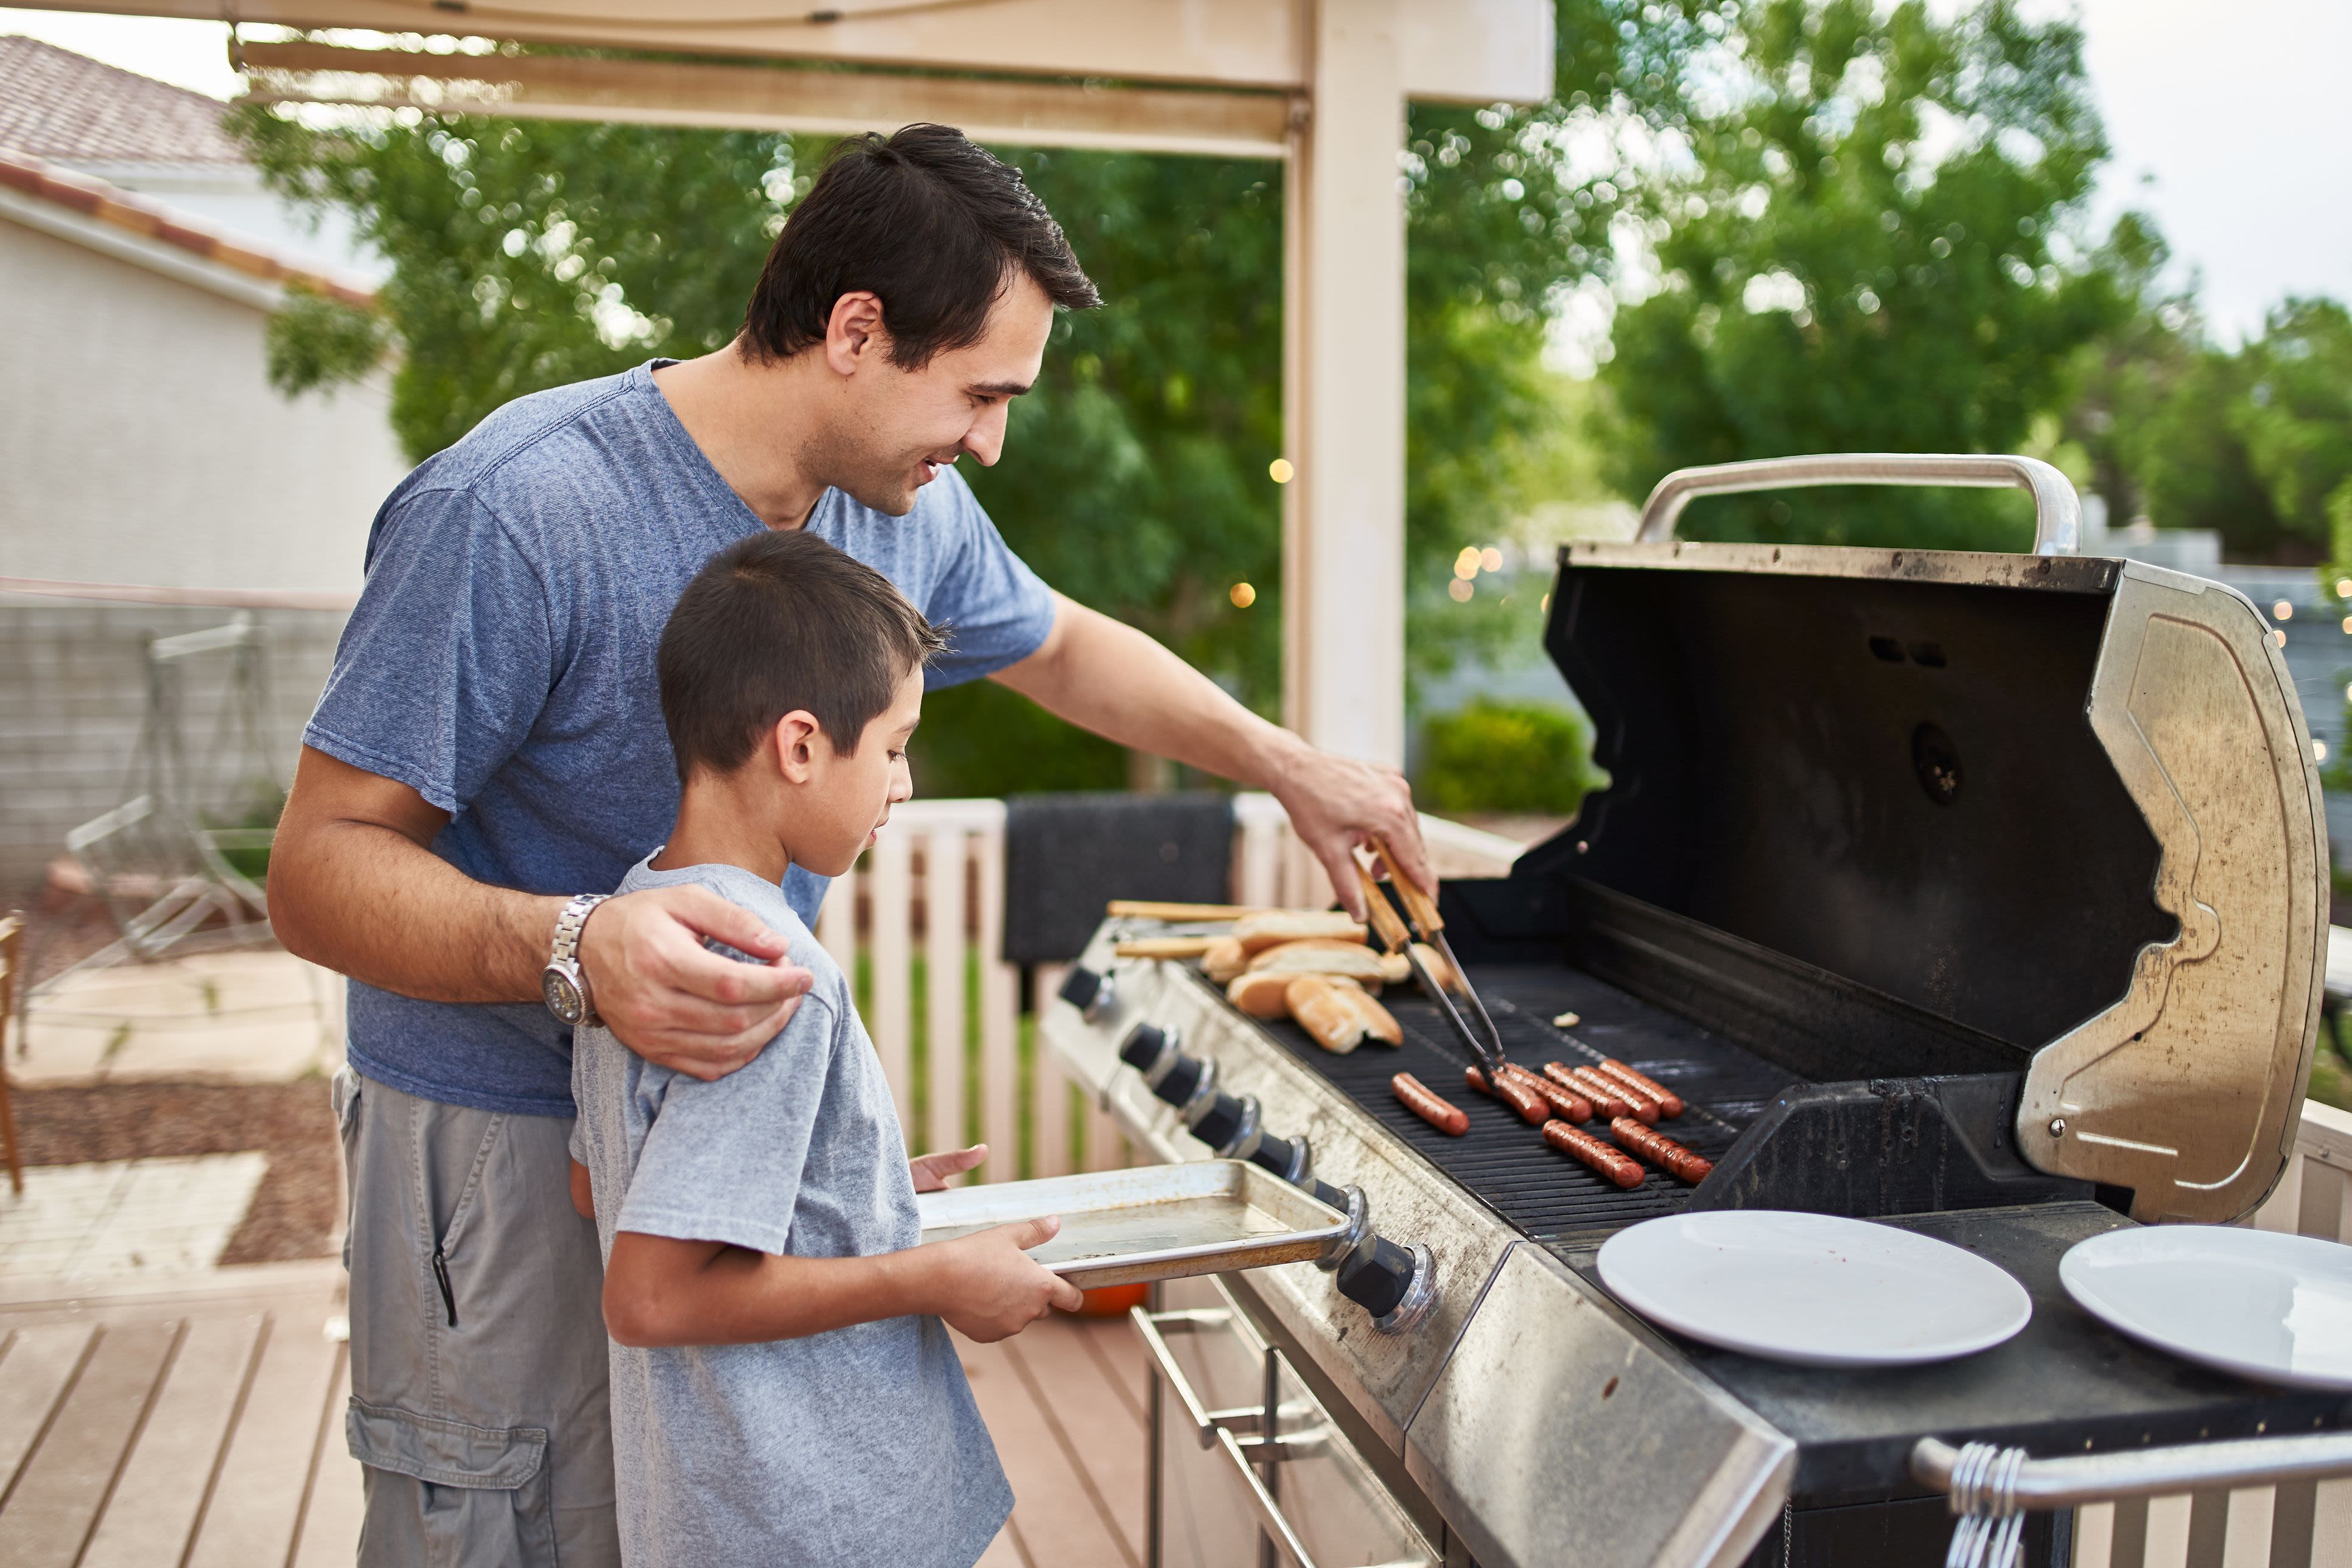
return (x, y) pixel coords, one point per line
(530, 253)
(1867, 249)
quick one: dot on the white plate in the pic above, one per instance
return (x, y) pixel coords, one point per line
(2262, 1305)
(1813, 1288)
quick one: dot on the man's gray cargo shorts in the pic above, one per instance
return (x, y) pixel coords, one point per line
(478, 1400)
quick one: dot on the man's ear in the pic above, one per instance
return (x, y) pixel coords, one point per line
(795, 743)
(854, 334)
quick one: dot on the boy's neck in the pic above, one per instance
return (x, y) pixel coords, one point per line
(713, 830)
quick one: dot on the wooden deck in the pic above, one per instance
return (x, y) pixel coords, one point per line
(200, 1423)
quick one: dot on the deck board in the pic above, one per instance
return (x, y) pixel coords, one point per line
(198, 1421)
(1100, 1434)
(39, 1365)
(55, 1506)
(167, 1475)
(1059, 1517)
(256, 1506)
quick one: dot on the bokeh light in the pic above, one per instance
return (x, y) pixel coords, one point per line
(1491, 559)
(2282, 611)
(1459, 590)
(1242, 596)
(1280, 471)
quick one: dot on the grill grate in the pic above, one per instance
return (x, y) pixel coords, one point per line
(1502, 1161)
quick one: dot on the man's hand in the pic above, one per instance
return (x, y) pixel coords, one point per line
(672, 1000)
(931, 1171)
(988, 1288)
(1337, 803)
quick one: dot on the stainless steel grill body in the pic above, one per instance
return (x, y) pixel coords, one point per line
(1954, 890)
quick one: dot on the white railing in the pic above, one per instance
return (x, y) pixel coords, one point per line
(2303, 1526)
(927, 979)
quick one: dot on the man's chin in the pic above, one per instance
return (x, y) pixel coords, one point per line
(896, 501)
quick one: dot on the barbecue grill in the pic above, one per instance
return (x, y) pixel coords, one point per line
(1980, 894)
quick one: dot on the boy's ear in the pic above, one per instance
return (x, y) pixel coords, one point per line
(795, 742)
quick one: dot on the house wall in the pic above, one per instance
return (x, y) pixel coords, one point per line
(140, 441)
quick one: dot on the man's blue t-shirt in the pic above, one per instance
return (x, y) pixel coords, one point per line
(500, 663)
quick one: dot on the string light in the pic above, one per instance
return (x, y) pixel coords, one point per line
(1242, 596)
(1459, 590)
(1280, 471)
(1491, 559)
(2282, 611)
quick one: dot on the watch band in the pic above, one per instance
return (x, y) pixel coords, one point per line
(568, 924)
(566, 954)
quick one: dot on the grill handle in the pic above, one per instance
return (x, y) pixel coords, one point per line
(1999, 1484)
(1214, 1426)
(2057, 511)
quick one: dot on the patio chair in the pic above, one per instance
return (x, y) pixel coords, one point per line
(12, 986)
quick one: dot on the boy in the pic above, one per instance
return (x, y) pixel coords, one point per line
(784, 1391)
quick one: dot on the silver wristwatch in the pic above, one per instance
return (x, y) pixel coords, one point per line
(562, 984)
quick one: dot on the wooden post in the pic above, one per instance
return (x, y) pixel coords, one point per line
(1343, 387)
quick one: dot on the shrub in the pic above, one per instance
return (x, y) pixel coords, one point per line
(1507, 756)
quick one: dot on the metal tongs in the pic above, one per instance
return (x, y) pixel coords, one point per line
(1484, 1043)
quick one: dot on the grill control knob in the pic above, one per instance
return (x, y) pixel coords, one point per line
(1375, 1276)
(1088, 991)
(1142, 1048)
(1225, 1121)
(1397, 1284)
(1288, 1158)
(1182, 1081)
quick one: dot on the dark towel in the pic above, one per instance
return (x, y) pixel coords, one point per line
(1065, 856)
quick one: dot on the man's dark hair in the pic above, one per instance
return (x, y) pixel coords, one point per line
(777, 622)
(930, 223)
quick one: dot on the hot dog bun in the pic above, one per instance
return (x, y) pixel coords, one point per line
(1223, 960)
(1258, 932)
(1320, 956)
(1264, 994)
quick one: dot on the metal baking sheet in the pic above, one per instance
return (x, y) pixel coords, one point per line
(1153, 1222)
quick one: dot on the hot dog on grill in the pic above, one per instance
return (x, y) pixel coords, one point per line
(1607, 1095)
(1426, 1103)
(1642, 1106)
(1660, 1149)
(1563, 1102)
(1584, 1146)
(1670, 1104)
(1513, 1093)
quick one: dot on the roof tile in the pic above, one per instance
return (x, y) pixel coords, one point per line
(66, 107)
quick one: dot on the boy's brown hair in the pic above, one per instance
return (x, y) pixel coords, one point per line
(779, 621)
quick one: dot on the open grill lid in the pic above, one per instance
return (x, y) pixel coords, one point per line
(2068, 804)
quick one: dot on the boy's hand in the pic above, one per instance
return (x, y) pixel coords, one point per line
(672, 1000)
(931, 1171)
(583, 1191)
(990, 1288)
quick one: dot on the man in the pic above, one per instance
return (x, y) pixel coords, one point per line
(489, 755)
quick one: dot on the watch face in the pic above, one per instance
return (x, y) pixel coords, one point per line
(562, 996)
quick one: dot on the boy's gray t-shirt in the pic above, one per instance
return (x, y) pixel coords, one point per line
(860, 1446)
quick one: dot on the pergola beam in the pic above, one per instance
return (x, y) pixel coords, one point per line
(1459, 51)
(1210, 122)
